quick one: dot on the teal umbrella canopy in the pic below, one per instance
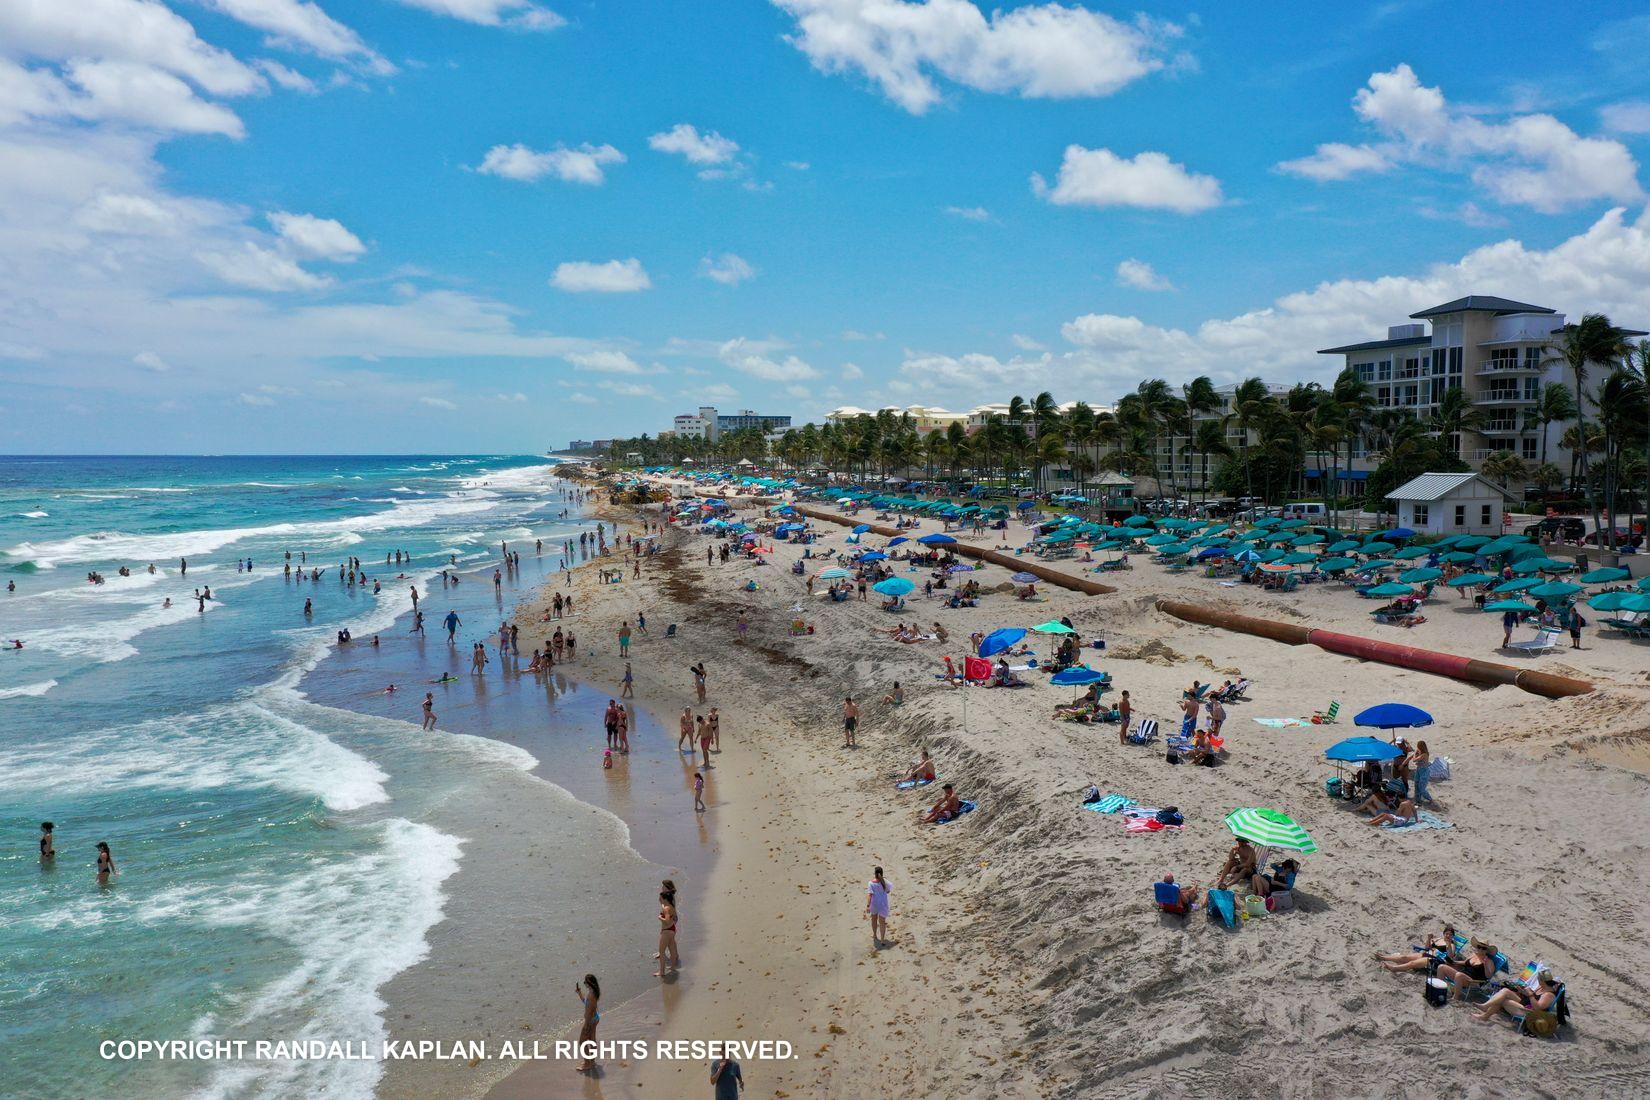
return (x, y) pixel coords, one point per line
(1390, 590)
(1468, 579)
(1420, 576)
(1335, 565)
(1605, 575)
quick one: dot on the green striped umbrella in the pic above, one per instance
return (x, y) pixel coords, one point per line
(1271, 828)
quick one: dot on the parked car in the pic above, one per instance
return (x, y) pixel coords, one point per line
(1557, 529)
(1624, 537)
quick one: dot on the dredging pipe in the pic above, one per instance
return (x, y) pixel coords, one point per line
(1469, 669)
(979, 553)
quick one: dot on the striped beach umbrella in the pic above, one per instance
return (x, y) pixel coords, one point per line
(1271, 828)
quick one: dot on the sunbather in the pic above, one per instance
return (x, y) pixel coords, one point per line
(945, 809)
(1477, 968)
(922, 769)
(1406, 814)
(1519, 1000)
(1188, 896)
(1442, 945)
(1240, 864)
(1282, 878)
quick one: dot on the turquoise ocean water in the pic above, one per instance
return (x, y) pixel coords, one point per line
(277, 860)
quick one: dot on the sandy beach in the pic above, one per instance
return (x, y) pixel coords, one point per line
(1027, 957)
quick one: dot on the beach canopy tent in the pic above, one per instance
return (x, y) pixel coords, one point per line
(1554, 590)
(1358, 750)
(1079, 676)
(1335, 565)
(1023, 578)
(999, 640)
(1509, 605)
(1390, 589)
(894, 586)
(875, 555)
(1393, 716)
(1605, 574)
(1466, 580)
(1271, 828)
(936, 540)
(1053, 626)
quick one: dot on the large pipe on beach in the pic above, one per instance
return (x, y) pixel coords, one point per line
(979, 553)
(1391, 653)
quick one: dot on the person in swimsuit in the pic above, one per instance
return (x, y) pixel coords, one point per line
(714, 724)
(48, 849)
(429, 710)
(850, 722)
(1518, 1002)
(624, 730)
(1406, 814)
(1476, 970)
(590, 995)
(945, 809)
(669, 960)
(685, 738)
(628, 688)
(105, 863)
(1442, 944)
(611, 721)
(1240, 864)
(699, 792)
(876, 907)
(704, 743)
(923, 769)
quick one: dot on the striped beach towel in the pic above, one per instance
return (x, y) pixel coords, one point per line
(1146, 825)
(1109, 804)
(1425, 819)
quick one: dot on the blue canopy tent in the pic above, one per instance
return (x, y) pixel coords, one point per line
(936, 540)
(1357, 750)
(999, 640)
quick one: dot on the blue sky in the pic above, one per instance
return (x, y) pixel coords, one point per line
(459, 225)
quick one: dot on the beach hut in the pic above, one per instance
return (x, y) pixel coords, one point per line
(1451, 504)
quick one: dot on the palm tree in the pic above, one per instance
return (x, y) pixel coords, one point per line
(1155, 406)
(1249, 402)
(1591, 340)
(1506, 467)
(1554, 406)
(1454, 416)
(1546, 476)
(1210, 439)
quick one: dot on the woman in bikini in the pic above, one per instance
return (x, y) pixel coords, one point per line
(669, 959)
(1478, 968)
(1443, 943)
(590, 995)
(105, 863)
(1518, 1002)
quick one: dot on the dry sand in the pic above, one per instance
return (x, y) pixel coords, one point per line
(1028, 958)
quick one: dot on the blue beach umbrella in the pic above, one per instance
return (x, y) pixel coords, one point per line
(1211, 552)
(1397, 534)
(897, 539)
(936, 540)
(1079, 677)
(1392, 716)
(1555, 590)
(1466, 580)
(862, 528)
(1357, 750)
(999, 640)
(1390, 589)
(875, 555)
(894, 586)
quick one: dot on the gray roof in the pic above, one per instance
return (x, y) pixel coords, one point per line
(1435, 486)
(1482, 303)
(1378, 345)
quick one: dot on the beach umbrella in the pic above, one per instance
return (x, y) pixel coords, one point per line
(1470, 542)
(862, 528)
(1290, 525)
(1390, 589)
(1246, 555)
(1397, 534)
(1410, 553)
(897, 539)
(1053, 626)
(1211, 552)
(1335, 565)
(1458, 557)
(1026, 504)
(1509, 605)
(1357, 750)
(1174, 550)
(1555, 590)
(1023, 578)
(894, 586)
(1251, 536)
(936, 540)
(1344, 545)
(999, 640)
(1605, 574)
(833, 574)
(1299, 557)
(1466, 580)
(1643, 584)
(1161, 540)
(1391, 716)
(875, 555)
(1421, 575)
(1446, 543)
(1379, 563)
(1542, 565)
(1306, 540)
(1268, 555)
(1078, 677)
(1270, 828)
(1519, 585)
(1268, 521)
(1620, 601)
(1138, 521)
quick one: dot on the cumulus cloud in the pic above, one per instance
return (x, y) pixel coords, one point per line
(437, 403)
(1026, 343)
(605, 361)
(1047, 51)
(581, 165)
(256, 399)
(632, 389)
(611, 277)
(1531, 160)
(1626, 118)
(520, 15)
(1149, 181)
(969, 213)
(851, 372)
(751, 358)
(257, 268)
(727, 269)
(297, 24)
(149, 361)
(708, 148)
(111, 91)
(312, 238)
(1141, 276)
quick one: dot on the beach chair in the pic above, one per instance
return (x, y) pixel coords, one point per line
(1544, 642)
(1167, 896)
(1545, 1023)
(1145, 732)
(1327, 717)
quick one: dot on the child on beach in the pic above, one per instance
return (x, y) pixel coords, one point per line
(876, 907)
(699, 792)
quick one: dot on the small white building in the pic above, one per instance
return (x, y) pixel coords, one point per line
(1451, 504)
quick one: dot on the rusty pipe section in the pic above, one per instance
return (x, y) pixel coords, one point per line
(978, 553)
(1468, 669)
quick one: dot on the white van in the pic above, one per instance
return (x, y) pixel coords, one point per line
(1311, 510)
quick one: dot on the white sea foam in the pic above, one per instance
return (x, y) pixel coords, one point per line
(27, 689)
(110, 639)
(32, 515)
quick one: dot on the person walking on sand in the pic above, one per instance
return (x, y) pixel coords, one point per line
(610, 720)
(704, 743)
(699, 679)
(876, 907)
(1124, 709)
(725, 1076)
(669, 960)
(699, 792)
(624, 639)
(590, 995)
(714, 724)
(429, 710)
(685, 737)
(850, 722)
(628, 688)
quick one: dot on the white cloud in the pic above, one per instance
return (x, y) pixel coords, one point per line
(1336, 161)
(290, 79)
(437, 403)
(581, 399)
(743, 355)
(851, 372)
(1626, 118)
(605, 361)
(521, 15)
(632, 389)
(297, 24)
(256, 399)
(1531, 160)
(149, 361)
(511, 398)
(1150, 181)
(856, 336)
(797, 165)
(1026, 343)
(707, 148)
(612, 277)
(969, 213)
(581, 165)
(111, 91)
(1141, 276)
(727, 269)
(312, 238)
(1036, 50)
(257, 268)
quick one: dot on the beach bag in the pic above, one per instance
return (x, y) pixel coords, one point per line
(1436, 992)
(1171, 815)
(1281, 901)
(1092, 794)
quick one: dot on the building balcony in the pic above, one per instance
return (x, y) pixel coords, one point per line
(1501, 397)
(1502, 368)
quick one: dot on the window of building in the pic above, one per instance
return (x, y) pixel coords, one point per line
(1420, 515)
(1383, 370)
(1532, 358)
(1460, 515)
(1529, 449)
(1484, 514)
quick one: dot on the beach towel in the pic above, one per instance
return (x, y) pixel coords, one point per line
(907, 784)
(1425, 819)
(1280, 723)
(1109, 804)
(1147, 825)
(966, 807)
(1223, 904)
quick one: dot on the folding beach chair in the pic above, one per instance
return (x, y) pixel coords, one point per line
(1167, 896)
(1327, 717)
(1544, 642)
(1144, 733)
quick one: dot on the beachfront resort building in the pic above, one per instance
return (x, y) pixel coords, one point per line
(1451, 504)
(1186, 469)
(924, 418)
(708, 423)
(1500, 352)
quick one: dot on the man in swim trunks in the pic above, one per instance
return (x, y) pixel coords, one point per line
(945, 809)
(1240, 865)
(451, 621)
(850, 722)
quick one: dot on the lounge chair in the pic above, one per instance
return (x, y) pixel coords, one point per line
(1144, 733)
(1544, 642)
(1545, 1023)
(1327, 717)
(1167, 896)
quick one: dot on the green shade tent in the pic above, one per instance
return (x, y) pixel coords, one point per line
(1271, 828)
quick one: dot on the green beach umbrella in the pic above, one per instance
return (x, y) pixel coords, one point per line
(1410, 553)
(1173, 550)
(1605, 574)
(1344, 545)
(1138, 521)
(1290, 524)
(1630, 601)
(1467, 579)
(1163, 539)
(1379, 563)
(1299, 557)
(1555, 590)
(1470, 542)
(1268, 521)
(1390, 589)
(1444, 544)
(1509, 605)
(1644, 584)
(1264, 556)
(1251, 536)
(1459, 557)
(1306, 540)
(1053, 626)
(1542, 565)
(1420, 576)
(1271, 828)
(1335, 565)
(1522, 584)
